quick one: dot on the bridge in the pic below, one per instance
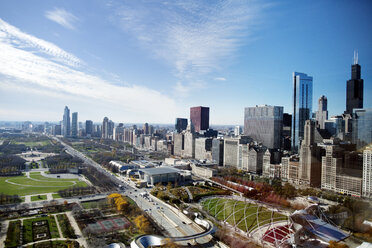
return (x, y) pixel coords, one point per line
(145, 241)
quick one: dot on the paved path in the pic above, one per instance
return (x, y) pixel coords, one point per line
(4, 229)
(80, 238)
(58, 227)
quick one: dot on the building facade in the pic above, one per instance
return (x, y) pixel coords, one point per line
(66, 128)
(354, 88)
(74, 125)
(302, 106)
(362, 127)
(367, 172)
(181, 124)
(264, 124)
(322, 113)
(199, 117)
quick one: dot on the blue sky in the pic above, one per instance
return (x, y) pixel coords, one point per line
(149, 61)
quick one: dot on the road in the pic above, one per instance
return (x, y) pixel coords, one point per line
(168, 219)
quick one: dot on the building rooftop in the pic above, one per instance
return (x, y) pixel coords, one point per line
(160, 170)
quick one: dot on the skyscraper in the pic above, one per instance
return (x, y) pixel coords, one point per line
(105, 128)
(181, 124)
(74, 124)
(264, 124)
(362, 127)
(367, 172)
(199, 117)
(302, 106)
(354, 91)
(89, 128)
(66, 123)
(322, 113)
(146, 128)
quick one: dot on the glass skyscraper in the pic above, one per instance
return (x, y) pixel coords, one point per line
(302, 106)
(362, 127)
(66, 123)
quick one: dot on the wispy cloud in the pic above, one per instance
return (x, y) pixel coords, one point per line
(195, 37)
(62, 17)
(220, 79)
(24, 67)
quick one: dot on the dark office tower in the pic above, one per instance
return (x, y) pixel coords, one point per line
(302, 106)
(286, 132)
(105, 128)
(89, 128)
(264, 124)
(199, 117)
(110, 129)
(146, 128)
(66, 131)
(74, 124)
(354, 91)
(181, 124)
(322, 113)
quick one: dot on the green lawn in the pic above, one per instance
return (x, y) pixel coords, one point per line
(32, 143)
(240, 213)
(26, 186)
(38, 197)
(27, 228)
(56, 196)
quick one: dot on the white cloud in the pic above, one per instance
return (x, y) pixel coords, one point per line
(62, 17)
(220, 79)
(22, 68)
(195, 37)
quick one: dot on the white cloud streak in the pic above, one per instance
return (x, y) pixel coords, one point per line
(22, 68)
(62, 17)
(195, 37)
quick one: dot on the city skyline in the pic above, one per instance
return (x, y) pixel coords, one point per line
(221, 63)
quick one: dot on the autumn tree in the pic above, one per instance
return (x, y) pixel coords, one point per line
(142, 223)
(334, 244)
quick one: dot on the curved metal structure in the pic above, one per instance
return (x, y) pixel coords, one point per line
(145, 241)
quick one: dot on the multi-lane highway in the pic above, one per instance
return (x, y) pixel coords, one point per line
(167, 217)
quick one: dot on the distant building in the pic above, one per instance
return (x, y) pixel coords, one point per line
(202, 171)
(89, 128)
(250, 158)
(289, 169)
(189, 143)
(231, 150)
(336, 176)
(56, 130)
(302, 106)
(322, 113)
(203, 148)
(362, 127)
(105, 128)
(181, 124)
(163, 174)
(74, 125)
(286, 132)
(310, 165)
(354, 88)
(179, 143)
(199, 117)
(237, 130)
(264, 124)
(217, 151)
(367, 172)
(66, 128)
(146, 128)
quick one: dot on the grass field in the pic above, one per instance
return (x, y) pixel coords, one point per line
(245, 215)
(56, 196)
(38, 198)
(27, 230)
(37, 184)
(32, 143)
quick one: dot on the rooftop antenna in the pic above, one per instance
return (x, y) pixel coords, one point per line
(355, 57)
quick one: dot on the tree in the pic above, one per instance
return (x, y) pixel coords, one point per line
(142, 223)
(169, 243)
(334, 244)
